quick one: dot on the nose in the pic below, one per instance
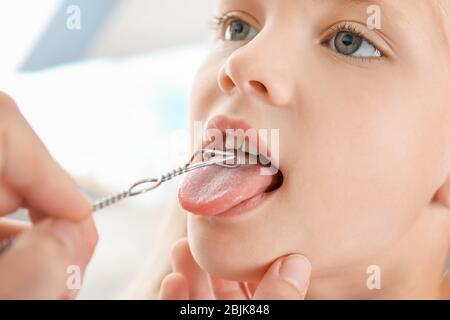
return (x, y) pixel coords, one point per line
(259, 67)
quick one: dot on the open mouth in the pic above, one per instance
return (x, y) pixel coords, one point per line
(247, 155)
(216, 190)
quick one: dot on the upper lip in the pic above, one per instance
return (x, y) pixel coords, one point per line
(224, 123)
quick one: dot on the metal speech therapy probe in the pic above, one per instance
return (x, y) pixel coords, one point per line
(226, 159)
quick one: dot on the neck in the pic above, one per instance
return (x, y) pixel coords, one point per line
(412, 268)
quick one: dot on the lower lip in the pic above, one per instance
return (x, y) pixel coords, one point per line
(246, 206)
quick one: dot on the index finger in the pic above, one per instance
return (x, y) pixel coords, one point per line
(29, 176)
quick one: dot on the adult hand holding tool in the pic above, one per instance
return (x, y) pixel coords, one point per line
(34, 265)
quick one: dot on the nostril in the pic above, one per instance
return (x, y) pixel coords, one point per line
(258, 86)
(226, 84)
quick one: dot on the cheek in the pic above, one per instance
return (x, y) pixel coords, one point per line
(367, 169)
(205, 90)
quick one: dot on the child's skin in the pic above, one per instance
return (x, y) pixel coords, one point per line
(364, 146)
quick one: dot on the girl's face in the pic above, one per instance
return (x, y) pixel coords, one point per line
(363, 116)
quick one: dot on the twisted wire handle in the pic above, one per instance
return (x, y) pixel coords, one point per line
(212, 157)
(110, 200)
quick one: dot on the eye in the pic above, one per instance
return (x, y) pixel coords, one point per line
(238, 30)
(351, 44)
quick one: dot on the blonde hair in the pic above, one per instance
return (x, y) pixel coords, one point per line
(148, 282)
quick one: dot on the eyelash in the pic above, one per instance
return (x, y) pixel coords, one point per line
(349, 28)
(218, 23)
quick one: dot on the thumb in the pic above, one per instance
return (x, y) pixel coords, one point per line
(287, 279)
(36, 265)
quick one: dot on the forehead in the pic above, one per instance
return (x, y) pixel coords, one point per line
(398, 6)
(407, 13)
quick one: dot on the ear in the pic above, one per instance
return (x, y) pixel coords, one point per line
(442, 196)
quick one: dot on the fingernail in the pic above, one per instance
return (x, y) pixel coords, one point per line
(68, 233)
(296, 270)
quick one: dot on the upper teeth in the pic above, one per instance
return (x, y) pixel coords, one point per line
(233, 142)
(240, 143)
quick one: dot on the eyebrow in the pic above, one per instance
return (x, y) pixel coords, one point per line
(367, 2)
(389, 10)
(353, 1)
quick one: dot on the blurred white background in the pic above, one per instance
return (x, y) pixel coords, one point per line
(139, 26)
(21, 24)
(109, 100)
(122, 27)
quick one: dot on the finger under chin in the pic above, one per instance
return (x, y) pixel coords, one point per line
(174, 287)
(286, 279)
(277, 290)
(227, 290)
(184, 263)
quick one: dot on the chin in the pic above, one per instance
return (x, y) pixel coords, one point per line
(230, 253)
(227, 261)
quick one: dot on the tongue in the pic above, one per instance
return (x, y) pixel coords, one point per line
(214, 190)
